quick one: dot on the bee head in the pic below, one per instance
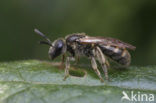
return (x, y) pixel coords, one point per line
(57, 48)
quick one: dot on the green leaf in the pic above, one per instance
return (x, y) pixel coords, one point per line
(33, 81)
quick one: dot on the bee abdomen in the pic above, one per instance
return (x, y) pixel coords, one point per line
(119, 55)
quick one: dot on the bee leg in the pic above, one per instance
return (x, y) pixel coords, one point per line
(107, 63)
(67, 66)
(94, 66)
(104, 67)
(104, 63)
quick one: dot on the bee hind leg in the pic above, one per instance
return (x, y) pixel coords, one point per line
(94, 66)
(104, 63)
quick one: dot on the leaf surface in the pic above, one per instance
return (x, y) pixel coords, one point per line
(33, 81)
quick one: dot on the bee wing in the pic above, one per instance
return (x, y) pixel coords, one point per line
(106, 41)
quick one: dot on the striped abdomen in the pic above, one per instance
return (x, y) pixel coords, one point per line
(119, 55)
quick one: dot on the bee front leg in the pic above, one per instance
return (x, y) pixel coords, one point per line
(94, 66)
(67, 66)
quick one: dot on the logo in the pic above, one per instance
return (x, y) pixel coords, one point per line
(137, 96)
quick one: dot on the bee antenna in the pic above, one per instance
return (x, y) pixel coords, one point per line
(45, 42)
(41, 34)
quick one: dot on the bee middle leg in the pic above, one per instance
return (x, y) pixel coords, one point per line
(104, 63)
(94, 66)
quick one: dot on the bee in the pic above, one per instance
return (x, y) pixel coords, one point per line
(95, 48)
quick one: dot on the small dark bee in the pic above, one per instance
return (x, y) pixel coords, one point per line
(95, 48)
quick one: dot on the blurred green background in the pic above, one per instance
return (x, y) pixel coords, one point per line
(132, 21)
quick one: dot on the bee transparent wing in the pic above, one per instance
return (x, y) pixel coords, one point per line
(106, 41)
(118, 43)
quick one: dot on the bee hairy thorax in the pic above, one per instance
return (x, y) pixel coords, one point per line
(119, 55)
(83, 50)
(76, 48)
